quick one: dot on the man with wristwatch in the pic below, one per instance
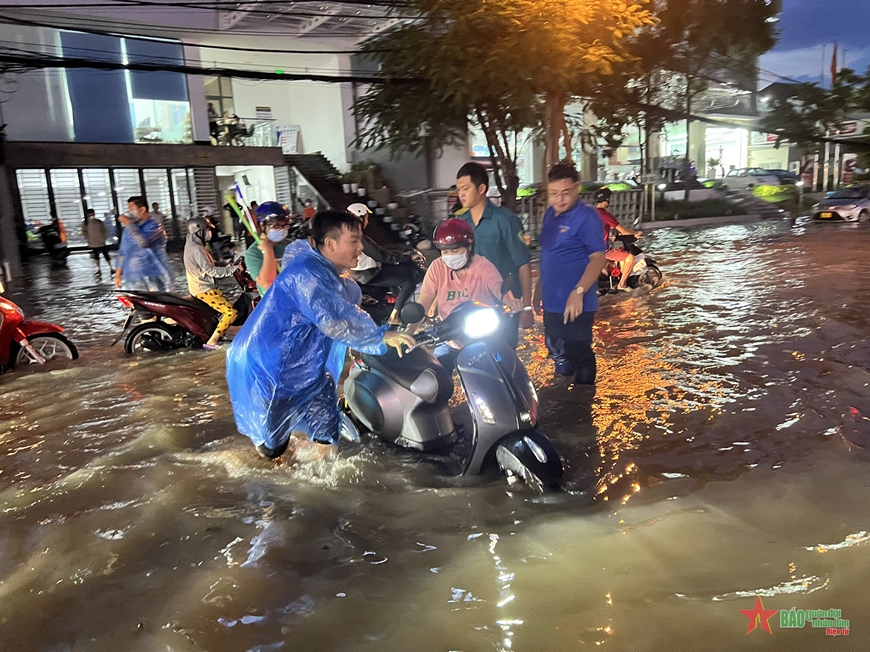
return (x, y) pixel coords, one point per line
(572, 257)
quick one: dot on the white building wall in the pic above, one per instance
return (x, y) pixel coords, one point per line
(317, 107)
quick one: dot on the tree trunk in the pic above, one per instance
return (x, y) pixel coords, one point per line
(555, 128)
(504, 166)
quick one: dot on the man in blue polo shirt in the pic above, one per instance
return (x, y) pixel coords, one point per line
(572, 257)
(498, 237)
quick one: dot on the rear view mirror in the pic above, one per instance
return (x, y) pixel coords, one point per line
(412, 312)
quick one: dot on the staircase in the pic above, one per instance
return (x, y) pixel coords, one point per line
(323, 175)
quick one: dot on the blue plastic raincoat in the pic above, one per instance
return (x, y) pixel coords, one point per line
(143, 259)
(284, 365)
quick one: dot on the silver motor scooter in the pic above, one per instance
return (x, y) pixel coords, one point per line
(405, 401)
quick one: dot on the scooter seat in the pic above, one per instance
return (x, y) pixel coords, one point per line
(171, 299)
(418, 371)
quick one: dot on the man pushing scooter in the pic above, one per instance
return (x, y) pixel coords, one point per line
(284, 365)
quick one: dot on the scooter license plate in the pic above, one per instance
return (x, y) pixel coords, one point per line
(826, 216)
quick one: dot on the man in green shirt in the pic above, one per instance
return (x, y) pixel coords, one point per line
(498, 237)
(262, 260)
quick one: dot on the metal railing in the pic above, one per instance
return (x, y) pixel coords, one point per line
(259, 134)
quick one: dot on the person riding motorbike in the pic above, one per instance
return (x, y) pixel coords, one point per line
(383, 269)
(262, 259)
(459, 276)
(201, 273)
(54, 240)
(284, 365)
(620, 256)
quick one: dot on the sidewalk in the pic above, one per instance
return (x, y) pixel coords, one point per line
(706, 221)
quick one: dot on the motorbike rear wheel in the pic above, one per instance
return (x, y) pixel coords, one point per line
(151, 336)
(50, 346)
(532, 458)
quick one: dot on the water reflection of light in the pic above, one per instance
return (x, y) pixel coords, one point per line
(639, 392)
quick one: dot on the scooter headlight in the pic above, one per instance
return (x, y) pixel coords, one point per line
(481, 322)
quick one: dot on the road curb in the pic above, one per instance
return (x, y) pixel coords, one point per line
(703, 221)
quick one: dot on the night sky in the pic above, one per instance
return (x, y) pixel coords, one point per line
(805, 25)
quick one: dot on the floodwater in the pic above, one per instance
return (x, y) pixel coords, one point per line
(712, 471)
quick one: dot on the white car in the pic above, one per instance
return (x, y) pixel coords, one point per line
(748, 178)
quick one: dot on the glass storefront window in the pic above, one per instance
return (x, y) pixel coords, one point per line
(212, 86)
(181, 193)
(157, 191)
(159, 121)
(98, 191)
(35, 202)
(68, 202)
(126, 185)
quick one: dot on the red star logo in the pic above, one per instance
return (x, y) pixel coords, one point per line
(759, 615)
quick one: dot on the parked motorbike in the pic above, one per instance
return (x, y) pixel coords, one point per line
(54, 242)
(166, 321)
(412, 233)
(24, 342)
(644, 272)
(379, 302)
(405, 401)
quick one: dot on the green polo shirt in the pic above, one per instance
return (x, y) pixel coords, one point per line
(254, 261)
(498, 237)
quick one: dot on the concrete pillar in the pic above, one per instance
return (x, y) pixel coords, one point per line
(9, 244)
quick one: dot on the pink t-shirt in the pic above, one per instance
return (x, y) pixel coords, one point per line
(480, 282)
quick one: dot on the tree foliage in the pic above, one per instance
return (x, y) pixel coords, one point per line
(694, 44)
(503, 65)
(805, 113)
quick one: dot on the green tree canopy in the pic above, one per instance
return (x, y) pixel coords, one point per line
(503, 65)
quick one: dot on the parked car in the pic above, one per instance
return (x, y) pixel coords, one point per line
(746, 178)
(848, 204)
(786, 177)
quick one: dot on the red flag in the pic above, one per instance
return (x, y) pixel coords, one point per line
(834, 66)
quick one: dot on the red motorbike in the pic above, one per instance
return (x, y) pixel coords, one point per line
(170, 321)
(24, 342)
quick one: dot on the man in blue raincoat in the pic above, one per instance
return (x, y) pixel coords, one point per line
(143, 263)
(283, 366)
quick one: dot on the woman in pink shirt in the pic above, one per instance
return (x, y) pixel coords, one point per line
(459, 276)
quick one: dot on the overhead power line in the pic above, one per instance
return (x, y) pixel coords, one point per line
(40, 61)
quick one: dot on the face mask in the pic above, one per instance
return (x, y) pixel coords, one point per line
(276, 235)
(455, 261)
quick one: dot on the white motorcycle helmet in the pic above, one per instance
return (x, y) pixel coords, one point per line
(359, 210)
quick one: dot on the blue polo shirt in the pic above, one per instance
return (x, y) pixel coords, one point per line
(498, 237)
(567, 240)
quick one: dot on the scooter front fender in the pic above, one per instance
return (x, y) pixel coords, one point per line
(500, 396)
(38, 327)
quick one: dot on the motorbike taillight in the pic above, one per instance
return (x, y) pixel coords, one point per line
(126, 302)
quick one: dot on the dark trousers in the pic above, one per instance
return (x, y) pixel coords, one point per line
(402, 277)
(96, 252)
(570, 346)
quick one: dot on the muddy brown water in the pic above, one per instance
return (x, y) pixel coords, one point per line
(713, 470)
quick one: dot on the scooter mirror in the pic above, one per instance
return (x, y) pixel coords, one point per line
(412, 312)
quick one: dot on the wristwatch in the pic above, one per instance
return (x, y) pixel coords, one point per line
(579, 290)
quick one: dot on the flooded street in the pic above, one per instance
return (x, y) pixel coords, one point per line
(713, 469)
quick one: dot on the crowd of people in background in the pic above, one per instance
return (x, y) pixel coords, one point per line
(294, 342)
